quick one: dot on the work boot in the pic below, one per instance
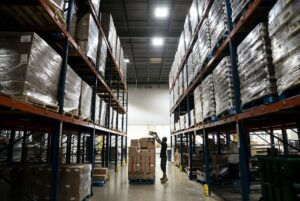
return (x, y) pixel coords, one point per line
(165, 178)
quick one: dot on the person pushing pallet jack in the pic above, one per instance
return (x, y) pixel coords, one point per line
(163, 155)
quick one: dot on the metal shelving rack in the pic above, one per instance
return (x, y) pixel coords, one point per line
(281, 115)
(24, 119)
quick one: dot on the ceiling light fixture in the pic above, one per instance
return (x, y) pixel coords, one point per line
(157, 41)
(127, 60)
(161, 12)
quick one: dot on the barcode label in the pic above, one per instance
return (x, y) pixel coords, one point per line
(24, 59)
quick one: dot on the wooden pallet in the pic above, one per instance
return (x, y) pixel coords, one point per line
(29, 100)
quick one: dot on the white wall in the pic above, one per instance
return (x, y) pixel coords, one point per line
(148, 109)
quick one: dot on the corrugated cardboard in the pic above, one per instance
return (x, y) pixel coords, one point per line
(144, 143)
(134, 143)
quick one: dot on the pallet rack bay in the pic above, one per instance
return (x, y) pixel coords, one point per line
(64, 139)
(281, 115)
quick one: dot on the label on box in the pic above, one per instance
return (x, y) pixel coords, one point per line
(24, 59)
(26, 39)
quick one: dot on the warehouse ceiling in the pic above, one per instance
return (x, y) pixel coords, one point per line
(137, 25)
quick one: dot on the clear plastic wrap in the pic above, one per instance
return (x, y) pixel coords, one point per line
(72, 92)
(111, 117)
(110, 31)
(223, 86)
(87, 36)
(180, 84)
(204, 44)
(208, 98)
(202, 4)
(29, 68)
(73, 18)
(218, 21)
(59, 4)
(191, 68)
(118, 51)
(184, 78)
(85, 101)
(255, 67)
(120, 123)
(182, 122)
(192, 112)
(96, 5)
(237, 7)
(181, 49)
(198, 103)
(284, 31)
(97, 110)
(172, 123)
(103, 113)
(186, 120)
(194, 16)
(102, 56)
(187, 31)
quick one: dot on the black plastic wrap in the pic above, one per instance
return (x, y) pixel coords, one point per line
(72, 92)
(204, 41)
(208, 98)
(87, 36)
(198, 103)
(218, 21)
(103, 113)
(194, 16)
(255, 66)
(223, 86)
(284, 31)
(238, 6)
(85, 101)
(29, 68)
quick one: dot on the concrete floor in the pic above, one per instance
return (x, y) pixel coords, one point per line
(178, 188)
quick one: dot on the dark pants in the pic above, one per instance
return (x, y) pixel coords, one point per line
(163, 164)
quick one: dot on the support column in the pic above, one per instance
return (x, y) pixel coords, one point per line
(191, 156)
(116, 154)
(207, 160)
(126, 149)
(78, 155)
(181, 153)
(219, 149)
(10, 151)
(122, 150)
(272, 141)
(68, 151)
(285, 142)
(24, 148)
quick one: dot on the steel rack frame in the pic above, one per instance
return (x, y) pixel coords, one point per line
(23, 118)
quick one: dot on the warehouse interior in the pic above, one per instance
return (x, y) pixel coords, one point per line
(149, 100)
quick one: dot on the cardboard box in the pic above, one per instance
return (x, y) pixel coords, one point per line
(101, 171)
(144, 143)
(134, 143)
(102, 177)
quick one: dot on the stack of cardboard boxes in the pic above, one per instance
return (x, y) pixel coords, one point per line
(100, 174)
(142, 159)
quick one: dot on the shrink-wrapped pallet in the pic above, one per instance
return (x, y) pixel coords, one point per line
(237, 7)
(172, 122)
(204, 46)
(118, 51)
(103, 113)
(194, 16)
(72, 92)
(255, 66)
(223, 86)
(208, 97)
(85, 101)
(110, 31)
(123, 65)
(182, 122)
(97, 109)
(284, 31)
(102, 55)
(184, 78)
(180, 85)
(96, 6)
(29, 68)
(58, 4)
(73, 17)
(202, 5)
(181, 49)
(218, 22)
(191, 68)
(187, 32)
(87, 36)
(192, 113)
(198, 103)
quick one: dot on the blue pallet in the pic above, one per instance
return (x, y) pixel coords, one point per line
(293, 91)
(227, 113)
(141, 181)
(265, 100)
(98, 183)
(218, 44)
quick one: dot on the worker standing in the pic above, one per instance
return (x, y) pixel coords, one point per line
(163, 159)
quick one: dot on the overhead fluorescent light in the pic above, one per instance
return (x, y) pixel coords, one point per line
(127, 61)
(155, 60)
(161, 12)
(157, 41)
